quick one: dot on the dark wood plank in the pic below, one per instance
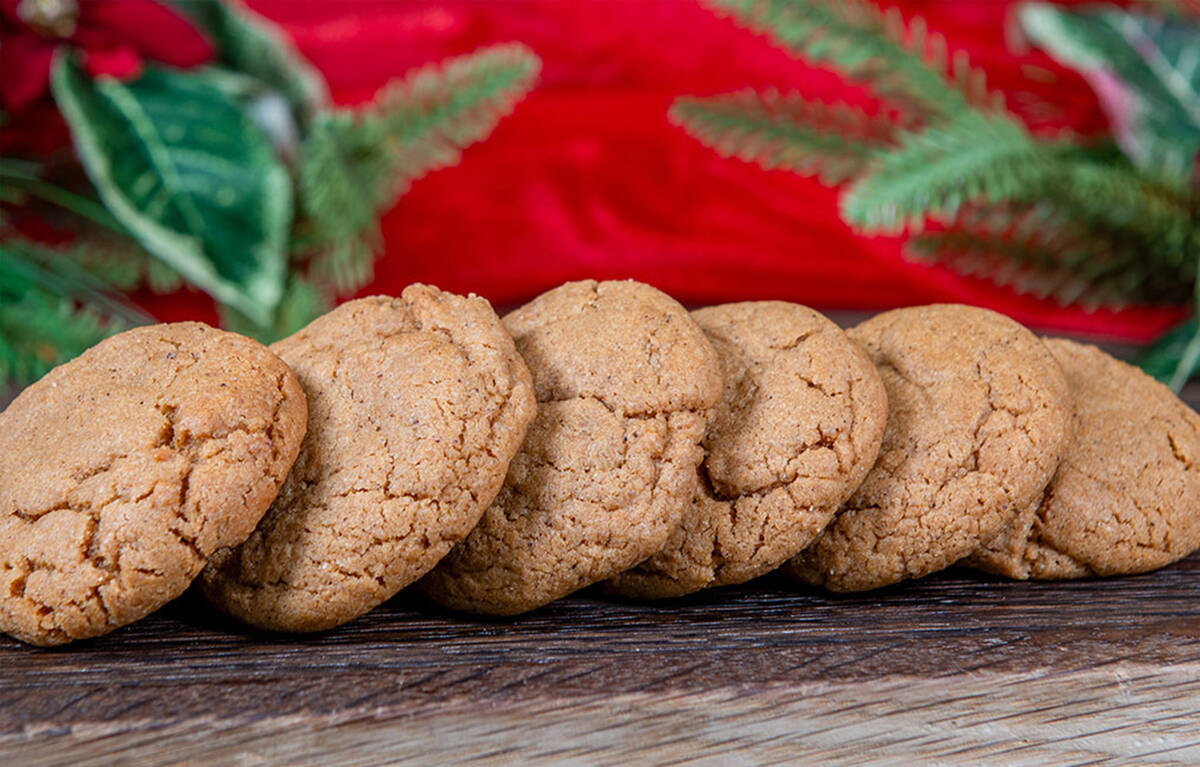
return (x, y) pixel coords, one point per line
(770, 632)
(755, 652)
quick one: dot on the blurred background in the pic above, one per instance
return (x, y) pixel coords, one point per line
(693, 146)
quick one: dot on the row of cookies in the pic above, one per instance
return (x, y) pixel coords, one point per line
(653, 450)
(300, 485)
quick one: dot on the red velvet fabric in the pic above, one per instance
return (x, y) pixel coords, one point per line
(588, 179)
(114, 35)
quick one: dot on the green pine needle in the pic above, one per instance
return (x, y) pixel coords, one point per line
(51, 310)
(904, 64)
(934, 172)
(1125, 205)
(122, 263)
(440, 110)
(1052, 217)
(833, 142)
(1037, 251)
(343, 163)
(355, 163)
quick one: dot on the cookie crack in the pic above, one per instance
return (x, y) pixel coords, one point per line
(1180, 455)
(794, 343)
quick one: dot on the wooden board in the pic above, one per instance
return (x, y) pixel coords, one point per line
(956, 668)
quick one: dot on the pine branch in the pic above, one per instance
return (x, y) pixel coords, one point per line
(1024, 267)
(833, 142)
(1036, 250)
(904, 64)
(934, 172)
(121, 263)
(990, 159)
(51, 310)
(343, 162)
(1115, 201)
(356, 162)
(101, 246)
(440, 110)
(22, 180)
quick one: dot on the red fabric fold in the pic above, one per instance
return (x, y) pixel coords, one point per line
(152, 28)
(588, 179)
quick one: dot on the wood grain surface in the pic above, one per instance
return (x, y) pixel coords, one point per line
(958, 668)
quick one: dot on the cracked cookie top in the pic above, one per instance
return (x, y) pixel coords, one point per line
(625, 380)
(798, 426)
(123, 470)
(416, 406)
(978, 417)
(1126, 497)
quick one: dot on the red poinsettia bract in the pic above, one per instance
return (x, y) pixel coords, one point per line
(113, 37)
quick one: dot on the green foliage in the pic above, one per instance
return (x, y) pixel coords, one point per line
(1080, 223)
(1174, 7)
(22, 181)
(187, 174)
(342, 173)
(1175, 357)
(834, 142)
(903, 64)
(302, 303)
(1144, 69)
(188, 184)
(247, 43)
(933, 172)
(121, 263)
(51, 310)
(354, 163)
(435, 113)
(1036, 249)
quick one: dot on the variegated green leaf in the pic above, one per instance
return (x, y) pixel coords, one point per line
(188, 175)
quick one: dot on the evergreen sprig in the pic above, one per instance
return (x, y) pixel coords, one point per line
(199, 168)
(354, 163)
(1080, 223)
(905, 64)
(1035, 249)
(934, 171)
(51, 310)
(831, 141)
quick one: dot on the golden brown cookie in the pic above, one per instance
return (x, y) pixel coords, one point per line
(798, 426)
(416, 406)
(978, 418)
(625, 380)
(123, 470)
(1126, 498)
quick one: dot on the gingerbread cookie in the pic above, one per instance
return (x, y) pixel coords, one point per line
(417, 404)
(978, 417)
(123, 470)
(1126, 498)
(798, 426)
(625, 380)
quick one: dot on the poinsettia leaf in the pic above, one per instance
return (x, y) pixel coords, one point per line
(188, 175)
(248, 43)
(1175, 357)
(1144, 68)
